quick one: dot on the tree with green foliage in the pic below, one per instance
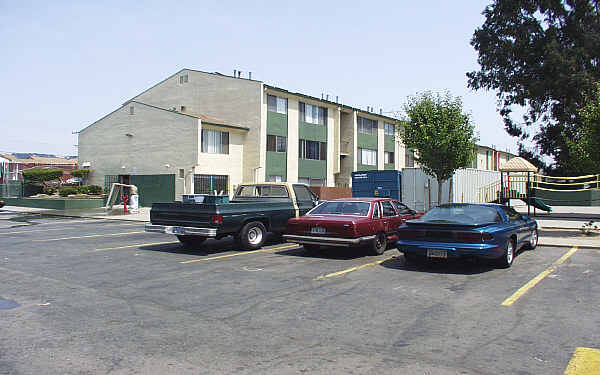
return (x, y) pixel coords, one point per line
(542, 56)
(584, 145)
(41, 175)
(442, 135)
(80, 173)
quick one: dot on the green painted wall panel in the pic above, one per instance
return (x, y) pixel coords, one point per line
(312, 168)
(367, 141)
(312, 132)
(571, 198)
(388, 167)
(277, 124)
(362, 167)
(56, 203)
(154, 188)
(389, 143)
(276, 164)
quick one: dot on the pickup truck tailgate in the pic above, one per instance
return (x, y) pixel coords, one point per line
(187, 215)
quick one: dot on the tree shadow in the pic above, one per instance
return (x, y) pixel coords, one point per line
(468, 266)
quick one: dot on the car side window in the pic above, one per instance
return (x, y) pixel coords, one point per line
(388, 209)
(376, 214)
(402, 209)
(302, 193)
(511, 213)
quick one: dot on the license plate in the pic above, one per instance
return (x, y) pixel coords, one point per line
(317, 230)
(174, 230)
(437, 253)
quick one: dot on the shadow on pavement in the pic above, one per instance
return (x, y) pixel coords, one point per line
(451, 266)
(331, 252)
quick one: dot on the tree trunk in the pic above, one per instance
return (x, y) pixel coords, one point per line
(439, 196)
(450, 190)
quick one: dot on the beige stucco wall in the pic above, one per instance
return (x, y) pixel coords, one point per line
(161, 142)
(380, 146)
(235, 100)
(293, 140)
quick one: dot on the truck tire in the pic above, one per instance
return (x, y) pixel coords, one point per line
(252, 236)
(191, 241)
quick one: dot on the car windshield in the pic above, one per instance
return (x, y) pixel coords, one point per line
(462, 214)
(342, 208)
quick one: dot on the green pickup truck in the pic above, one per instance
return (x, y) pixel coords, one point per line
(254, 210)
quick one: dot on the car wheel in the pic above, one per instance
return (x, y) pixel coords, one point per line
(309, 247)
(507, 258)
(379, 244)
(253, 235)
(191, 240)
(533, 241)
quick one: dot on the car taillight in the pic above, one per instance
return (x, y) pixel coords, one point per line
(408, 234)
(485, 236)
(473, 236)
(216, 219)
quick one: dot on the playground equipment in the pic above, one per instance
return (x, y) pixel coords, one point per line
(118, 190)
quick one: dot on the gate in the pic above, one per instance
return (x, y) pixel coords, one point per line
(108, 181)
(154, 188)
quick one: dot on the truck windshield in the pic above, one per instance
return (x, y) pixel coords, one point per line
(342, 208)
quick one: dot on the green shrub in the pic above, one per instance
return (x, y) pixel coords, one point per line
(67, 190)
(49, 189)
(38, 175)
(81, 173)
(95, 189)
(84, 190)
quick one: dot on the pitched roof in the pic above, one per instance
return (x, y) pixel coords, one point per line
(61, 161)
(518, 164)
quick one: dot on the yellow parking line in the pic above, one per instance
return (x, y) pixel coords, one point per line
(137, 245)
(36, 230)
(585, 361)
(533, 282)
(239, 254)
(90, 236)
(352, 269)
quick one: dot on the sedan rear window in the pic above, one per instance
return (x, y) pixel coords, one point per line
(462, 214)
(342, 208)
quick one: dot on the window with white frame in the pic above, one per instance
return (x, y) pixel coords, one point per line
(273, 178)
(388, 157)
(277, 104)
(276, 143)
(367, 157)
(215, 142)
(312, 114)
(183, 79)
(367, 126)
(311, 181)
(388, 129)
(312, 150)
(409, 158)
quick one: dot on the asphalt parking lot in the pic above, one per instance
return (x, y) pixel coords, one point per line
(85, 296)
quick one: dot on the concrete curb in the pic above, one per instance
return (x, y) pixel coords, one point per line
(564, 245)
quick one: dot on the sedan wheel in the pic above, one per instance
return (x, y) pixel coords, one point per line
(533, 240)
(506, 260)
(379, 244)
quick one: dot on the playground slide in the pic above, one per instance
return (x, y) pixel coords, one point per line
(538, 204)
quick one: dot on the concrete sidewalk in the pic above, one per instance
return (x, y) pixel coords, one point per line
(117, 213)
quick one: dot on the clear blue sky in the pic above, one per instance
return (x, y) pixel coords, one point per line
(65, 64)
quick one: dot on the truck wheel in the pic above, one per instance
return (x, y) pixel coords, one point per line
(253, 235)
(379, 244)
(191, 240)
(311, 247)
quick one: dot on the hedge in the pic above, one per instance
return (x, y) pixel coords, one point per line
(38, 175)
(81, 173)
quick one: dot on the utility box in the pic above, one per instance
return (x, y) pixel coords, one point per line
(384, 184)
(204, 199)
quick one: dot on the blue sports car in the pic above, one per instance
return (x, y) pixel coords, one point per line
(458, 230)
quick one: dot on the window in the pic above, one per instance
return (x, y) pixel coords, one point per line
(367, 157)
(312, 150)
(388, 210)
(131, 110)
(409, 159)
(388, 157)
(208, 184)
(262, 191)
(215, 142)
(276, 143)
(367, 126)
(402, 209)
(183, 79)
(312, 114)
(182, 108)
(511, 213)
(275, 178)
(342, 208)
(302, 193)
(311, 181)
(376, 214)
(181, 173)
(277, 104)
(389, 129)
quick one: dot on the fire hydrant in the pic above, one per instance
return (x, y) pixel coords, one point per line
(124, 197)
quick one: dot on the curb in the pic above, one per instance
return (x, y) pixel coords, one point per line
(571, 245)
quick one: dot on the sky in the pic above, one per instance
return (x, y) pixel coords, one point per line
(65, 64)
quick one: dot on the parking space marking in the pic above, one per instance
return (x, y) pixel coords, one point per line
(585, 361)
(137, 245)
(240, 253)
(90, 236)
(36, 230)
(533, 282)
(353, 269)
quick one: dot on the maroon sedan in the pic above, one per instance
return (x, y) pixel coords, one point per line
(369, 222)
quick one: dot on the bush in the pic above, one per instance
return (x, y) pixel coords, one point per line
(48, 189)
(95, 189)
(32, 189)
(81, 173)
(38, 175)
(84, 190)
(67, 190)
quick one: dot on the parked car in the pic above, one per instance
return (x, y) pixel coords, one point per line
(369, 222)
(2, 203)
(459, 230)
(254, 210)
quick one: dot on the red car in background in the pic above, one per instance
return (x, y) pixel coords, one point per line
(368, 222)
